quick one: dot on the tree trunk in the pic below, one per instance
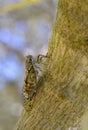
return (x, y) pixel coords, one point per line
(62, 98)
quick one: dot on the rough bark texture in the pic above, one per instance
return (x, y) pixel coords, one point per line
(62, 98)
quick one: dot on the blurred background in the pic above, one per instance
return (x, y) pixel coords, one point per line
(24, 29)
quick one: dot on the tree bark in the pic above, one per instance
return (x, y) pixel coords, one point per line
(62, 98)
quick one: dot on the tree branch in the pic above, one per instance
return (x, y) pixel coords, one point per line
(62, 98)
(17, 6)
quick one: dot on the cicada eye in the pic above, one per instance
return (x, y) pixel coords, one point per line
(29, 58)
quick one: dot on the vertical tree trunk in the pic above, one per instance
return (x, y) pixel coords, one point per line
(62, 98)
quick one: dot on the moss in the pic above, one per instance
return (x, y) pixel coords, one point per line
(71, 25)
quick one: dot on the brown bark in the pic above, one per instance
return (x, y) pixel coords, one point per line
(62, 98)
